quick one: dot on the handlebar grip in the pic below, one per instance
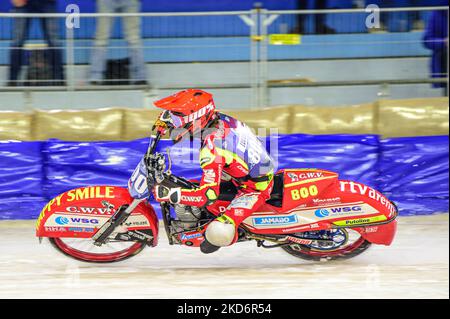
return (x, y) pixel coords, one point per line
(173, 181)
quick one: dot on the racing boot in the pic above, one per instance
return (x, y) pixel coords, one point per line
(219, 233)
(207, 248)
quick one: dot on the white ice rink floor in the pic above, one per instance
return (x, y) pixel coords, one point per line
(415, 266)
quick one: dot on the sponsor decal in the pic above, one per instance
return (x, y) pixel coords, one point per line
(81, 229)
(243, 142)
(295, 177)
(322, 213)
(192, 117)
(239, 212)
(75, 195)
(209, 176)
(90, 192)
(61, 220)
(300, 241)
(245, 201)
(222, 209)
(358, 188)
(304, 192)
(314, 226)
(139, 235)
(321, 201)
(336, 211)
(190, 236)
(275, 220)
(360, 221)
(55, 229)
(192, 199)
(372, 229)
(309, 175)
(90, 210)
(136, 223)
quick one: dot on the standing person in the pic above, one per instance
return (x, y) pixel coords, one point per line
(132, 29)
(436, 39)
(20, 31)
(320, 26)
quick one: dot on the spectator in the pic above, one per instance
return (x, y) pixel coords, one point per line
(21, 29)
(436, 39)
(320, 26)
(132, 28)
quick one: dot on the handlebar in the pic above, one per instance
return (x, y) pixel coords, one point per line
(175, 181)
(166, 179)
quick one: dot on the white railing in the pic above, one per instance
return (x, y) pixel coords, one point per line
(253, 28)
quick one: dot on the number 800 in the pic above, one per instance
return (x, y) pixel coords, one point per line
(304, 192)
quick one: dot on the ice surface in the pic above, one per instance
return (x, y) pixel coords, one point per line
(415, 266)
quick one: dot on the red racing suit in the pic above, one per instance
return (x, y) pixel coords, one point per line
(230, 151)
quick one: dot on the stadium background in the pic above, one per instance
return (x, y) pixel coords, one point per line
(361, 105)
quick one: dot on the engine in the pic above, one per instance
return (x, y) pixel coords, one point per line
(187, 216)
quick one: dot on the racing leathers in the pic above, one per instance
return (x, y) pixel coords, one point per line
(230, 151)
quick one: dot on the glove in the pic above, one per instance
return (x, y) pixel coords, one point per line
(165, 194)
(156, 164)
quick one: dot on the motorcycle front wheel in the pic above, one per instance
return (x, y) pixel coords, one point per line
(83, 249)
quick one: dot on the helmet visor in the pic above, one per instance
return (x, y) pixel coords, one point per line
(177, 120)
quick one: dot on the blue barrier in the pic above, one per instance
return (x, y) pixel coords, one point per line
(411, 171)
(339, 153)
(21, 179)
(414, 173)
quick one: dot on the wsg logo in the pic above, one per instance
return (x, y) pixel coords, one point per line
(64, 220)
(321, 213)
(61, 220)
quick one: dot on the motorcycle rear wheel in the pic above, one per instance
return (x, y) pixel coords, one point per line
(351, 250)
(69, 249)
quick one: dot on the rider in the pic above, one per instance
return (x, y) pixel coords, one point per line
(229, 151)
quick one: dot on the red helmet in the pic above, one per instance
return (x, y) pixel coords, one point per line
(189, 110)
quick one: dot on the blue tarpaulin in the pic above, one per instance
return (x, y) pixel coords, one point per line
(355, 157)
(21, 179)
(411, 171)
(414, 173)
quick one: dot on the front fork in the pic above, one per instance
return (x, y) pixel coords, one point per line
(165, 212)
(116, 219)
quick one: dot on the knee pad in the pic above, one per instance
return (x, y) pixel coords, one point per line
(220, 234)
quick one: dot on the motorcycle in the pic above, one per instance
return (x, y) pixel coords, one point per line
(311, 214)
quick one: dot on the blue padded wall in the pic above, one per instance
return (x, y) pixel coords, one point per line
(411, 171)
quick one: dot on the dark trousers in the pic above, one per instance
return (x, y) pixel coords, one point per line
(319, 19)
(50, 31)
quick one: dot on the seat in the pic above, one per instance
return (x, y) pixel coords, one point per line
(228, 191)
(276, 196)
